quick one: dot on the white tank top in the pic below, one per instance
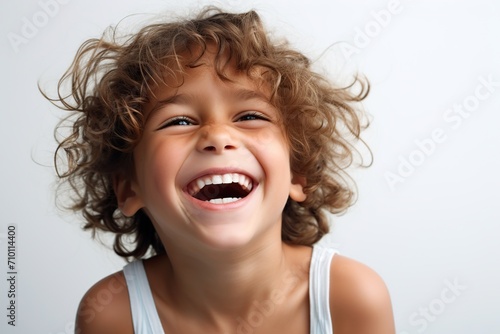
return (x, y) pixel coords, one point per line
(145, 316)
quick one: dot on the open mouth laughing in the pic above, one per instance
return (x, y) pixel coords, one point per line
(220, 188)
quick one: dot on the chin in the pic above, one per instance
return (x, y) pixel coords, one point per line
(229, 238)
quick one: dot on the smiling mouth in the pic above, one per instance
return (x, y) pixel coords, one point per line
(220, 188)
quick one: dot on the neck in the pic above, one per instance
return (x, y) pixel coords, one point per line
(224, 284)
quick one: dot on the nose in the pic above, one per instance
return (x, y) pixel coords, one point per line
(216, 139)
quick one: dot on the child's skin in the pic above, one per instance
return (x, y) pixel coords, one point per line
(221, 258)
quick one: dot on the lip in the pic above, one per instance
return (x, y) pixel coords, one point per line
(224, 206)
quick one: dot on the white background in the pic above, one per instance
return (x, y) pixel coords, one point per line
(440, 225)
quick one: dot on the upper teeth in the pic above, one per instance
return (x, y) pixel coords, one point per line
(198, 184)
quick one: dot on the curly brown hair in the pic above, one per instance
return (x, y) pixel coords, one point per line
(111, 79)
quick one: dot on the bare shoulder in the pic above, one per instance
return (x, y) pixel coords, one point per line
(359, 299)
(105, 308)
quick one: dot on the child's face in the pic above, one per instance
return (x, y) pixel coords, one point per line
(210, 131)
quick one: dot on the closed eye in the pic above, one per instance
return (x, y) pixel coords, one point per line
(177, 121)
(252, 116)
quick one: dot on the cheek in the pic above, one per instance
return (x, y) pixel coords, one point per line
(165, 161)
(270, 136)
(274, 154)
(265, 138)
(156, 165)
(271, 141)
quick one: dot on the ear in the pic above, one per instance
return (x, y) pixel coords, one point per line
(297, 188)
(127, 196)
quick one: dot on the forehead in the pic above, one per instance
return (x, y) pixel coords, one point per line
(190, 68)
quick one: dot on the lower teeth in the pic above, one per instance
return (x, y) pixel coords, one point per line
(224, 200)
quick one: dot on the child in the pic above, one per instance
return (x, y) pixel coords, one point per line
(213, 154)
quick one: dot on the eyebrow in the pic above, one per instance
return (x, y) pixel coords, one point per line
(248, 94)
(174, 99)
(240, 94)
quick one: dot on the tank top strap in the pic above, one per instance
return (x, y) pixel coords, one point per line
(319, 290)
(144, 314)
